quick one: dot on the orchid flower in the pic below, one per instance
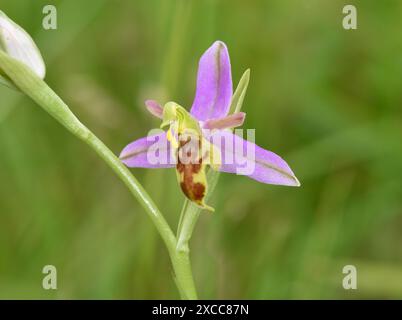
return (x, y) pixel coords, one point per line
(209, 126)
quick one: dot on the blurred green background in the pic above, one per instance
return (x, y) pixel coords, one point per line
(326, 99)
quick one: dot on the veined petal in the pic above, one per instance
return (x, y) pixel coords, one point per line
(153, 151)
(214, 84)
(246, 158)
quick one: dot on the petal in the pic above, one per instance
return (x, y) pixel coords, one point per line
(214, 84)
(154, 108)
(231, 121)
(246, 158)
(153, 151)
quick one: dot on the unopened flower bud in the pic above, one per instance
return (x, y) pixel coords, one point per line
(18, 44)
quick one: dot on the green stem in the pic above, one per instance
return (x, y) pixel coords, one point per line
(182, 213)
(190, 218)
(43, 95)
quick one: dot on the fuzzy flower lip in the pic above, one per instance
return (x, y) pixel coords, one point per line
(211, 106)
(17, 43)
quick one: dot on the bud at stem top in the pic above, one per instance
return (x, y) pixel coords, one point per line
(18, 44)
